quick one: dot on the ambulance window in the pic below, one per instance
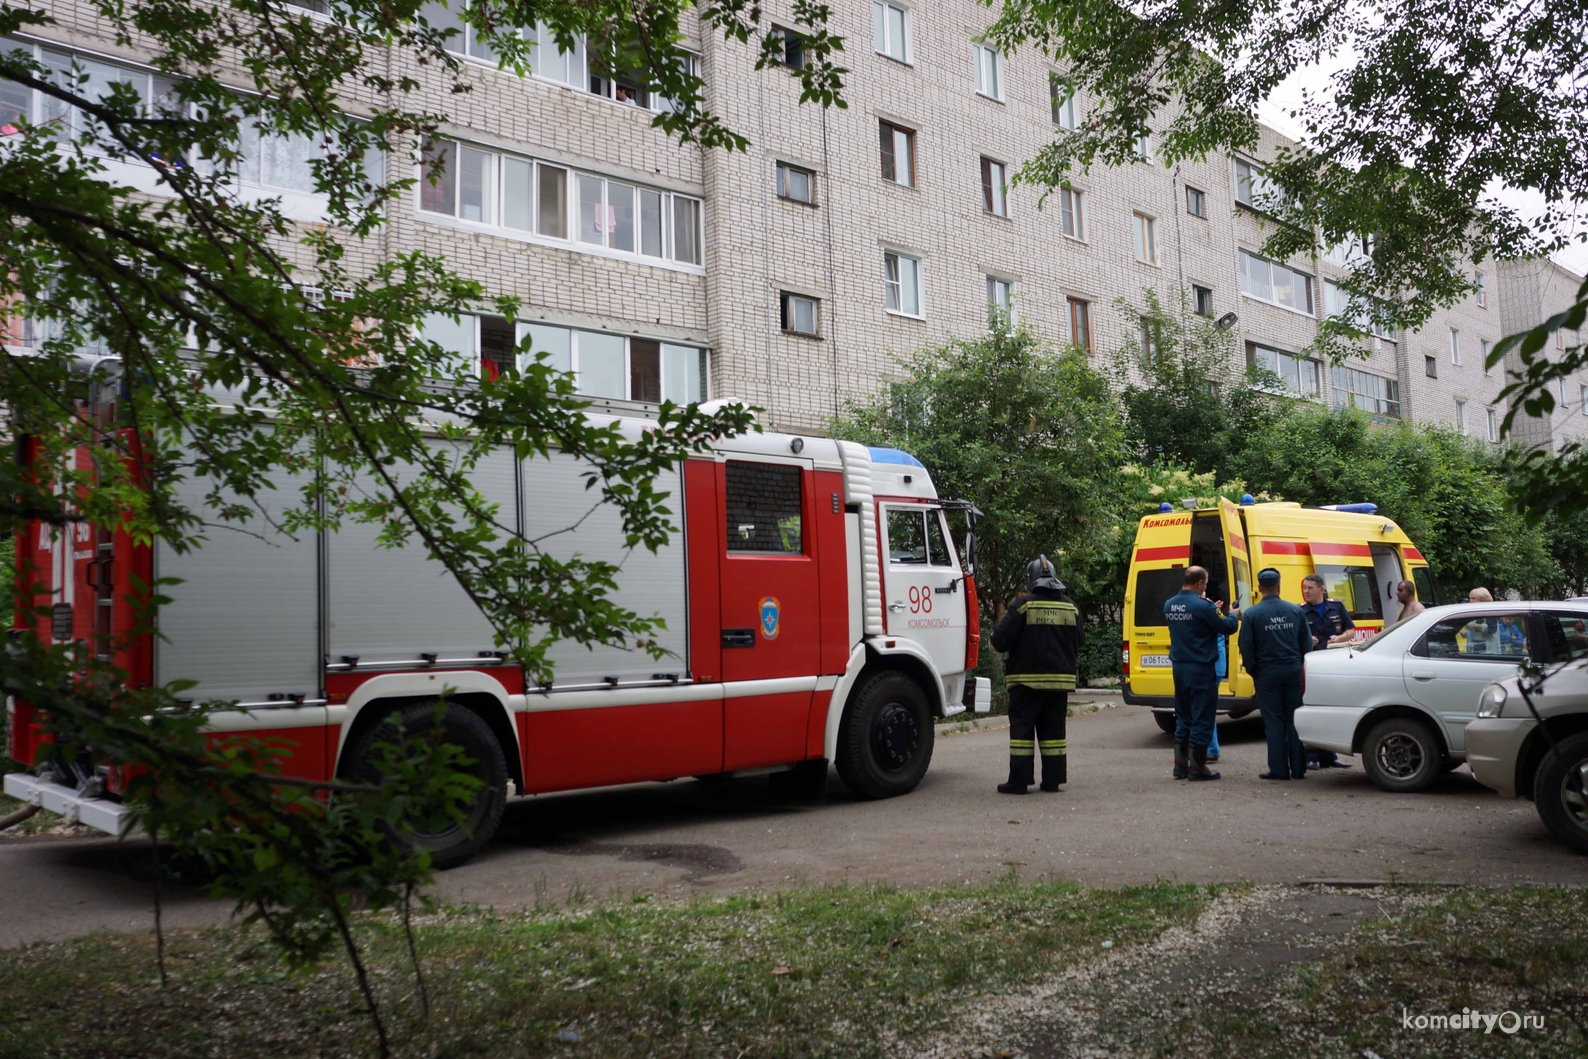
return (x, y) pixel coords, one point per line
(1243, 583)
(1355, 587)
(1427, 587)
(1153, 589)
(937, 553)
(906, 536)
(763, 510)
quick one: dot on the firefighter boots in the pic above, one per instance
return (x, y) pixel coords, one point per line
(1182, 752)
(1199, 765)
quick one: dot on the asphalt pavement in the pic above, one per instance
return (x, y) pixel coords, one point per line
(1121, 820)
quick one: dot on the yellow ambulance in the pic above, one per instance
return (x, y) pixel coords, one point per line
(1360, 554)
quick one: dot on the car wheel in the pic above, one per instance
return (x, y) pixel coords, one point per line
(1560, 791)
(885, 740)
(1166, 721)
(449, 842)
(1402, 754)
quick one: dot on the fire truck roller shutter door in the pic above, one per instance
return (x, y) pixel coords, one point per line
(244, 621)
(396, 604)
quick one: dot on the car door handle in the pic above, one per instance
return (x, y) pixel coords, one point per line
(895, 606)
(738, 637)
(1422, 674)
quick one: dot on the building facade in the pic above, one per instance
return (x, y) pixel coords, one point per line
(797, 275)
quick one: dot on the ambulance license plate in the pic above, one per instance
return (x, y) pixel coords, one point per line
(1155, 660)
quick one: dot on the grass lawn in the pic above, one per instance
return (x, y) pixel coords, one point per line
(821, 971)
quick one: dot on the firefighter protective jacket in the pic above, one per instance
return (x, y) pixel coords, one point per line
(1041, 633)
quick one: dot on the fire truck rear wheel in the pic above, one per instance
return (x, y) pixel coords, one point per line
(452, 843)
(885, 740)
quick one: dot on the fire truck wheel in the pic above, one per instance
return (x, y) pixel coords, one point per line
(885, 740)
(451, 843)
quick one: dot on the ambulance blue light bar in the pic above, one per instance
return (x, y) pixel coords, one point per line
(1355, 509)
(895, 456)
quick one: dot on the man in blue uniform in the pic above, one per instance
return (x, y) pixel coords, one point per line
(1330, 623)
(1041, 633)
(1274, 638)
(1195, 627)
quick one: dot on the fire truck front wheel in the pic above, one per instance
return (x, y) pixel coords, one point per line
(450, 843)
(885, 740)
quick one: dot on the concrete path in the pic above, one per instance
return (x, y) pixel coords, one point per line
(1121, 820)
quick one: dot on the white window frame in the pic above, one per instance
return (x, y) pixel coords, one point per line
(787, 303)
(1582, 399)
(495, 224)
(1062, 100)
(1484, 345)
(1461, 417)
(882, 41)
(988, 71)
(1072, 214)
(1455, 347)
(1493, 420)
(1001, 296)
(1201, 199)
(909, 150)
(1349, 376)
(1304, 365)
(895, 285)
(1144, 237)
(783, 169)
(1243, 255)
(1143, 146)
(578, 80)
(1481, 281)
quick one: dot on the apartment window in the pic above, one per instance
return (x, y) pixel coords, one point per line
(1560, 338)
(1297, 374)
(993, 188)
(790, 48)
(989, 72)
(1071, 216)
(1431, 367)
(548, 61)
(1144, 146)
(1483, 354)
(902, 283)
(1081, 324)
(1493, 418)
(1196, 203)
(1062, 97)
(1000, 299)
(799, 313)
(1278, 284)
(603, 364)
(1373, 394)
(1151, 339)
(1461, 417)
(519, 194)
(1251, 185)
(890, 31)
(1336, 302)
(1146, 240)
(465, 39)
(1455, 346)
(898, 154)
(796, 183)
(1202, 298)
(1351, 252)
(1481, 282)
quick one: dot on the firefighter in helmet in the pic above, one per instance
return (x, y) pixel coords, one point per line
(1041, 635)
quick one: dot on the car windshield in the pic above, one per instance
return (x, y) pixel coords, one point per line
(1376, 637)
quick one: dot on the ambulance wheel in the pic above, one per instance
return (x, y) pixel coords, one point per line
(885, 739)
(449, 843)
(1166, 721)
(1402, 755)
(1560, 792)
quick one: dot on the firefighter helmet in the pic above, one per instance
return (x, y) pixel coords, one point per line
(1041, 574)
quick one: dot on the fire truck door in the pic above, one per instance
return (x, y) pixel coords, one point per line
(924, 591)
(1238, 682)
(771, 627)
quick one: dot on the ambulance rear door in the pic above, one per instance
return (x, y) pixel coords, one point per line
(1237, 681)
(1163, 549)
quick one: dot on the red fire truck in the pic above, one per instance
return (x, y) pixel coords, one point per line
(816, 611)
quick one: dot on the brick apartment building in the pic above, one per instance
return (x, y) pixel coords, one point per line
(796, 274)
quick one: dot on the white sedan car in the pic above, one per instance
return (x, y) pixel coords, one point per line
(1403, 699)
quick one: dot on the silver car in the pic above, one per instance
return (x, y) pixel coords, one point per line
(1404, 698)
(1507, 750)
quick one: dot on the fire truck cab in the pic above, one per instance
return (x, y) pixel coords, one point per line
(816, 611)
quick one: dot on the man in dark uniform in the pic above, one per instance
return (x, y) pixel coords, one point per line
(1196, 625)
(1274, 638)
(1041, 635)
(1330, 623)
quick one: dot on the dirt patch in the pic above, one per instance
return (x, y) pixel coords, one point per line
(698, 861)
